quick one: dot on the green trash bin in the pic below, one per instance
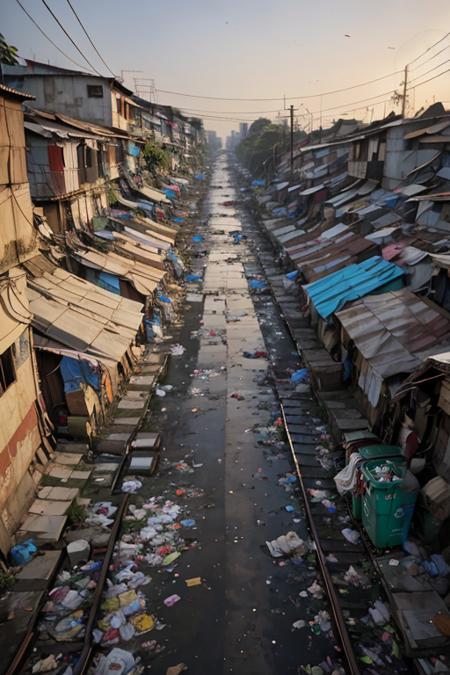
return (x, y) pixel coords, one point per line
(378, 451)
(387, 508)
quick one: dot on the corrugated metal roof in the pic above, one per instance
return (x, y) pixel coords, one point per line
(432, 129)
(394, 332)
(84, 317)
(331, 293)
(16, 93)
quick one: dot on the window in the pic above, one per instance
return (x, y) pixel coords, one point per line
(7, 370)
(118, 104)
(95, 91)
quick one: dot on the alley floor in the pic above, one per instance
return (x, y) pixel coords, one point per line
(218, 465)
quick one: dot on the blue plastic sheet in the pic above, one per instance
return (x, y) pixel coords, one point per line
(164, 298)
(178, 219)
(292, 275)
(133, 149)
(197, 238)
(257, 283)
(200, 176)
(109, 282)
(193, 277)
(299, 376)
(170, 193)
(332, 292)
(76, 372)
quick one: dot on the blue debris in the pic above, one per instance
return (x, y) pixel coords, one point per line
(299, 376)
(164, 298)
(257, 284)
(193, 277)
(189, 522)
(197, 238)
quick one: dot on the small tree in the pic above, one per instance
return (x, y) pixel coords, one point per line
(8, 53)
(155, 157)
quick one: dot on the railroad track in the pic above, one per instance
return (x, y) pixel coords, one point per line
(302, 415)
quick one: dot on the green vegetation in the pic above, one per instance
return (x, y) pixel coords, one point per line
(8, 53)
(262, 147)
(155, 157)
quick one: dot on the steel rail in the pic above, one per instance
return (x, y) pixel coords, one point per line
(333, 598)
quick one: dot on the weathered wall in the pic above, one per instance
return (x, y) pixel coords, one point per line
(17, 235)
(68, 95)
(19, 436)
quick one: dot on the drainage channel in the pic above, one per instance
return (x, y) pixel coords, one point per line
(362, 623)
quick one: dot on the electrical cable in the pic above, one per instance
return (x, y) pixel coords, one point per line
(71, 40)
(432, 78)
(432, 57)
(69, 58)
(281, 98)
(429, 71)
(89, 38)
(428, 49)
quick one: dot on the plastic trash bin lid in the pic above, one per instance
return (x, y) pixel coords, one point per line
(380, 451)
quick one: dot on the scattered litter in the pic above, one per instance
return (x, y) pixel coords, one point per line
(379, 613)
(131, 486)
(160, 392)
(299, 624)
(172, 600)
(237, 396)
(286, 545)
(352, 536)
(177, 350)
(255, 354)
(189, 522)
(300, 376)
(194, 581)
(176, 670)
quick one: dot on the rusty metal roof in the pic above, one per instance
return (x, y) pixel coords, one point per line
(394, 332)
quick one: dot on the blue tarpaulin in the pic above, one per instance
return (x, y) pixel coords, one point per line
(258, 182)
(77, 371)
(193, 277)
(200, 176)
(109, 282)
(197, 238)
(257, 283)
(164, 298)
(133, 149)
(331, 293)
(170, 193)
(292, 275)
(178, 219)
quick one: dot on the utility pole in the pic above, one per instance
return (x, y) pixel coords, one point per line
(405, 91)
(291, 108)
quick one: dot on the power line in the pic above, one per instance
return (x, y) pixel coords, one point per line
(33, 21)
(431, 57)
(280, 98)
(72, 41)
(432, 78)
(429, 71)
(232, 112)
(89, 38)
(428, 49)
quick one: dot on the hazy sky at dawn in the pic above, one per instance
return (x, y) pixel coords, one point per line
(252, 49)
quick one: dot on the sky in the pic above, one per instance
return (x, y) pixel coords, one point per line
(252, 49)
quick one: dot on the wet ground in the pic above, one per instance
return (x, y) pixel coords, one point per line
(240, 619)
